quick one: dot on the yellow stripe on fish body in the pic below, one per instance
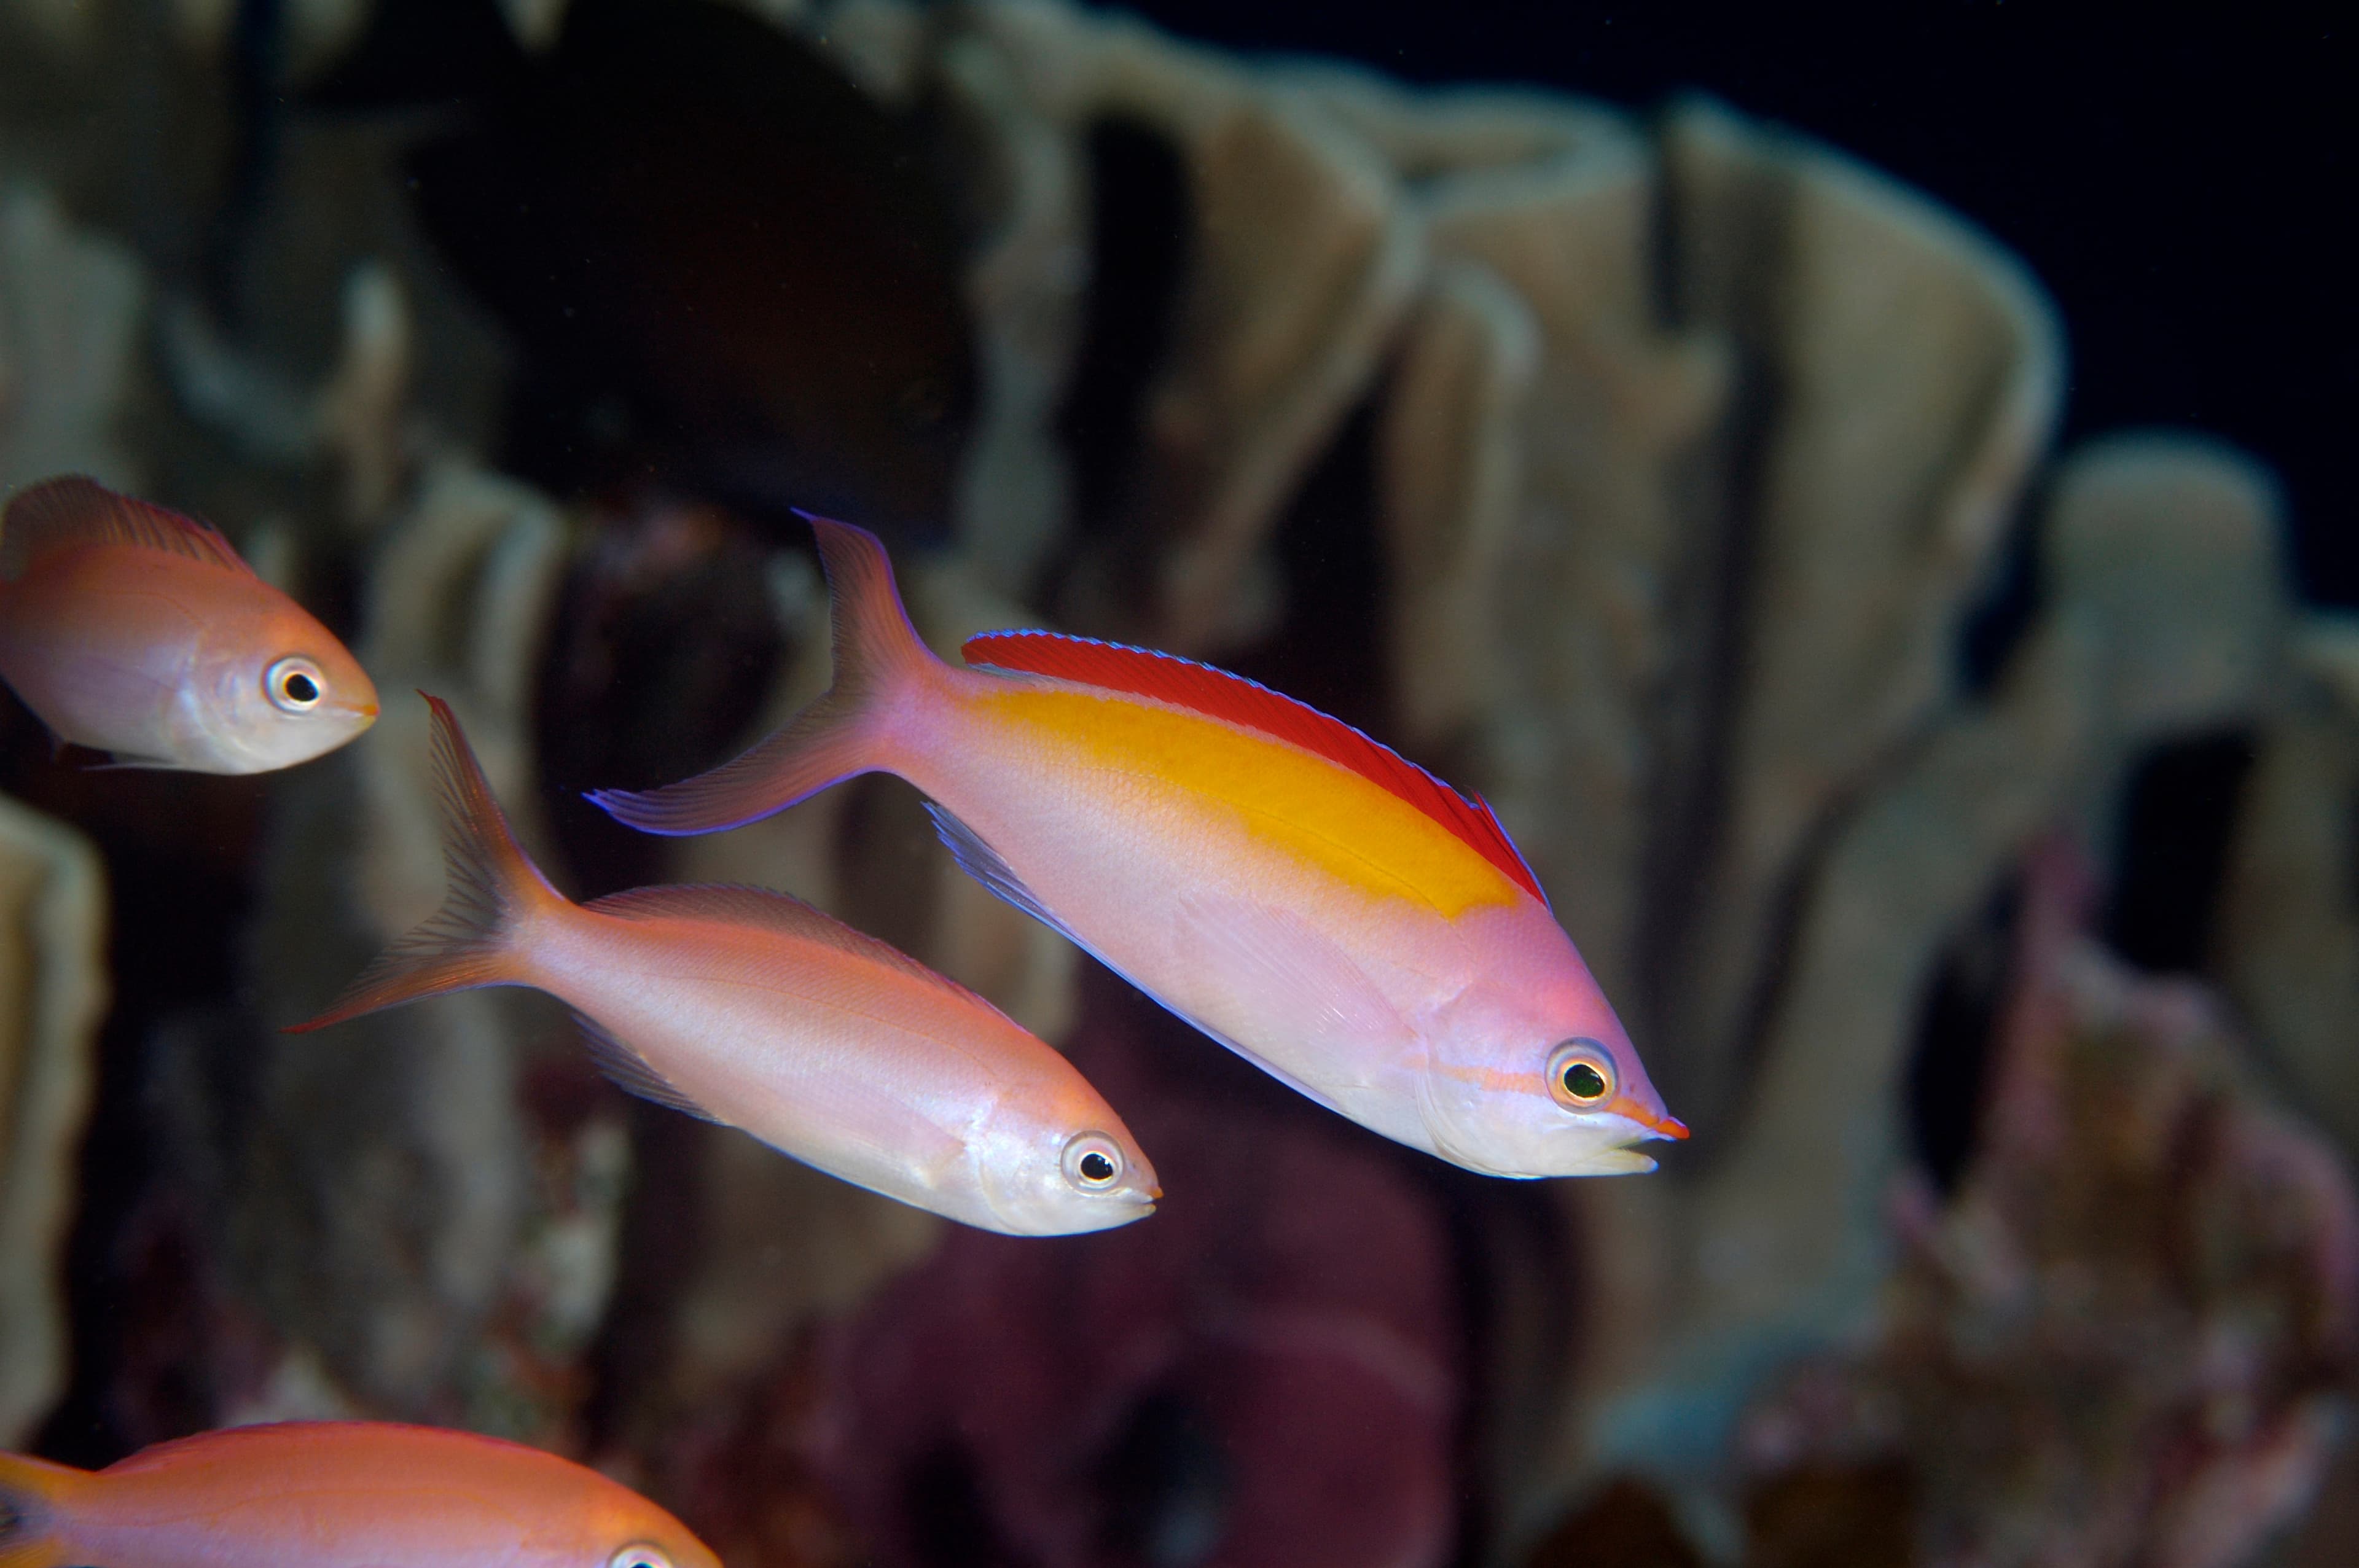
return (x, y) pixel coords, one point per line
(1289, 800)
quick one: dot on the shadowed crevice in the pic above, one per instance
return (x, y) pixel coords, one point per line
(1141, 219)
(1710, 604)
(2179, 811)
(1951, 1056)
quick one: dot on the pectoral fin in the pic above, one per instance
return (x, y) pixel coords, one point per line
(1294, 987)
(632, 1073)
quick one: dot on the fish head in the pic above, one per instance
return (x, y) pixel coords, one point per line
(279, 689)
(1060, 1163)
(1530, 1074)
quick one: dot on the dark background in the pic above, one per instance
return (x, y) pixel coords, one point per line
(2181, 183)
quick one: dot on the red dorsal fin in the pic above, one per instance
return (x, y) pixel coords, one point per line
(1217, 693)
(58, 512)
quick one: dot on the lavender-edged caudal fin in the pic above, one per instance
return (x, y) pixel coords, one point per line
(470, 941)
(877, 654)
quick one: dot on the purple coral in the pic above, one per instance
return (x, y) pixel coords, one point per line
(1267, 1374)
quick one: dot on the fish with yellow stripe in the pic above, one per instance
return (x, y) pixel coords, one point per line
(1309, 897)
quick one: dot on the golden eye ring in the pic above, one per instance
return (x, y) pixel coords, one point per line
(294, 685)
(1581, 1074)
(1094, 1161)
(639, 1554)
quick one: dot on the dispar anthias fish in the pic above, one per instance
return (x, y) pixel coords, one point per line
(334, 1494)
(133, 630)
(1309, 897)
(751, 1009)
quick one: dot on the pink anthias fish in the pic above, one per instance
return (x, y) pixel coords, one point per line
(139, 631)
(334, 1494)
(1309, 899)
(751, 1009)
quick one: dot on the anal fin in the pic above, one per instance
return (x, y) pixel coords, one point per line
(631, 1072)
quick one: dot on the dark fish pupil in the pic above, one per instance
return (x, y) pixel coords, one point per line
(1582, 1081)
(302, 687)
(1097, 1167)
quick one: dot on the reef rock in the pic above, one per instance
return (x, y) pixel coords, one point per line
(72, 307)
(2126, 1337)
(1299, 261)
(53, 993)
(1695, 451)
(2287, 945)
(1776, 1240)
(420, 1209)
(1663, 479)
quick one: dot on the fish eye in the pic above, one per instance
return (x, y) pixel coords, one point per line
(294, 685)
(638, 1554)
(1581, 1074)
(1093, 1162)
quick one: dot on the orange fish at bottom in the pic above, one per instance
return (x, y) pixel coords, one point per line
(334, 1494)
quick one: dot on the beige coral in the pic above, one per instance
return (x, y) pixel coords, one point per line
(1303, 260)
(72, 307)
(2288, 941)
(435, 1237)
(53, 995)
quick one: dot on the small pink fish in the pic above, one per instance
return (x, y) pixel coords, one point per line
(139, 631)
(1321, 905)
(334, 1494)
(749, 1008)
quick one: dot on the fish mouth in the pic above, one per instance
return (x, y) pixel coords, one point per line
(1657, 1124)
(1143, 1199)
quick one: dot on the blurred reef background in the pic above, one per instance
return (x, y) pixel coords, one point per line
(1957, 791)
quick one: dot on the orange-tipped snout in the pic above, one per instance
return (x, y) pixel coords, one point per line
(1660, 1123)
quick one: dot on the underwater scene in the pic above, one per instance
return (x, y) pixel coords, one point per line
(931, 782)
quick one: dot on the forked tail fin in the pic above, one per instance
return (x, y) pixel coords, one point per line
(877, 652)
(31, 1493)
(469, 941)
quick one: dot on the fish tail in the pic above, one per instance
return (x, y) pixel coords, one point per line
(878, 656)
(470, 942)
(32, 1495)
